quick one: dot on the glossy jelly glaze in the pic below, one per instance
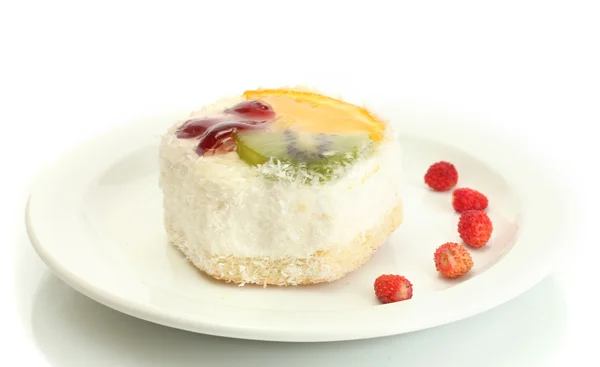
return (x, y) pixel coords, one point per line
(214, 134)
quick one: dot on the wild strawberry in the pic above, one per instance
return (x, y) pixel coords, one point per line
(452, 260)
(464, 199)
(441, 176)
(475, 228)
(392, 288)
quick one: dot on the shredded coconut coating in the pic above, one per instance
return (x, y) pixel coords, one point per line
(266, 225)
(322, 266)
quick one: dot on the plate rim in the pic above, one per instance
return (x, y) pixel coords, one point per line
(247, 324)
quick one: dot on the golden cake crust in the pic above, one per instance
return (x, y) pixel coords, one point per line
(322, 266)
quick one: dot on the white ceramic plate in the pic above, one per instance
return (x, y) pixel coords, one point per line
(95, 219)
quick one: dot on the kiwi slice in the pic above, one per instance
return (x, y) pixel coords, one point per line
(313, 152)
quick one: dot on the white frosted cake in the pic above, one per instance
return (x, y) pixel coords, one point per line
(281, 187)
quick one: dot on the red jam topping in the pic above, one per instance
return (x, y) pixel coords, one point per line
(217, 135)
(252, 109)
(214, 134)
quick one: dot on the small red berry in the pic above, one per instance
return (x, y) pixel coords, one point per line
(464, 199)
(452, 260)
(441, 176)
(391, 288)
(475, 228)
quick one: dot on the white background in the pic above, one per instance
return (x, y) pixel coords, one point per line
(69, 70)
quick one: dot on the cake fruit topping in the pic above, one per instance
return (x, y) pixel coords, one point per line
(464, 199)
(195, 127)
(390, 288)
(216, 134)
(304, 127)
(317, 113)
(441, 176)
(299, 147)
(475, 228)
(252, 109)
(221, 146)
(452, 260)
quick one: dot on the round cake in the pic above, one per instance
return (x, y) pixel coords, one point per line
(280, 187)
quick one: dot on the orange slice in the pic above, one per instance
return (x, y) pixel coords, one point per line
(317, 113)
